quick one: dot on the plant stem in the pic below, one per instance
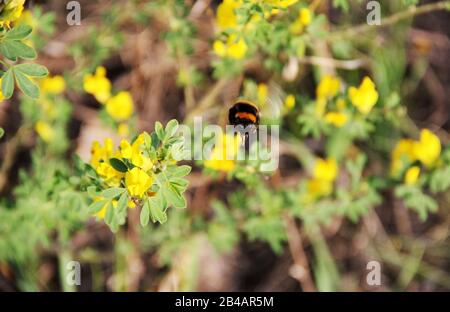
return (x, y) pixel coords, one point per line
(301, 266)
(393, 19)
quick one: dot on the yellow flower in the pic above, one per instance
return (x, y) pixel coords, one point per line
(233, 48)
(365, 96)
(328, 87)
(131, 204)
(134, 154)
(303, 19)
(137, 182)
(325, 169)
(44, 130)
(120, 106)
(100, 154)
(289, 102)
(220, 48)
(110, 175)
(262, 91)
(53, 85)
(237, 49)
(324, 173)
(281, 3)
(223, 154)
(412, 175)
(98, 85)
(305, 16)
(428, 148)
(402, 152)
(317, 188)
(226, 17)
(337, 119)
(12, 9)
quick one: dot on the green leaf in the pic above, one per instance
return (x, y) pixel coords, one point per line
(118, 164)
(27, 86)
(122, 203)
(415, 199)
(31, 69)
(19, 32)
(179, 183)
(92, 191)
(112, 192)
(174, 197)
(2, 132)
(145, 214)
(440, 180)
(157, 212)
(159, 130)
(97, 206)
(12, 49)
(171, 128)
(155, 140)
(147, 140)
(181, 171)
(109, 217)
(8, 84)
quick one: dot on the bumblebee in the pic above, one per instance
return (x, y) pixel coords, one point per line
(243, 113)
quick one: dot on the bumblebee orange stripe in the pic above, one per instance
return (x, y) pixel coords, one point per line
(245, 115)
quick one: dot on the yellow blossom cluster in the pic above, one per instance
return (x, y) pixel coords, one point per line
(136, 177)
(119, 107)
(234, 45)
(363, 98)
(11, 11)
(323, 176)
(226, 17)
(324, 173)
(327, 89)
(425, 150)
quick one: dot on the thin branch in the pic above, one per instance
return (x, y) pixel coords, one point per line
(300, 270)
(393, 19)
(330, 62)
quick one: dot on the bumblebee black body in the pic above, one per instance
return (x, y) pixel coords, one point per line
(243, 113)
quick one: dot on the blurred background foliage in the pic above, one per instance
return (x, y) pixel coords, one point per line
(364, 167)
